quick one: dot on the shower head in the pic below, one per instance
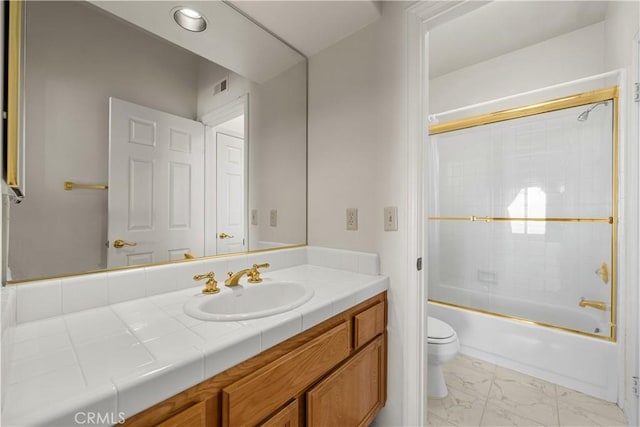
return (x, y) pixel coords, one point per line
(585, 114)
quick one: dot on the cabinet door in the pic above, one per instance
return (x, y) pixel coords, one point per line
(286, 417)
(354, 393)
(195, 416)
(252, 398)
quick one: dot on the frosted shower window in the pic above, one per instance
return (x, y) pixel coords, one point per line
(519, 216)
(530, 202)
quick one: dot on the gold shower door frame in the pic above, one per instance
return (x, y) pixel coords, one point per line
(585, 98)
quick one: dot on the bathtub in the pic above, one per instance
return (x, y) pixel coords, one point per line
(572, 360)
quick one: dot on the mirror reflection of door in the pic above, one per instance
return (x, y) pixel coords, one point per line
(230, 159)
(156, 186)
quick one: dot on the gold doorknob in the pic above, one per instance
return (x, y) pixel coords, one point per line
(119, 243)
(224, 235)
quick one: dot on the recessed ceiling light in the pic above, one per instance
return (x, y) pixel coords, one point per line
(189, 19)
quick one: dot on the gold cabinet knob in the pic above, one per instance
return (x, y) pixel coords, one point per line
(119, 243)
(224, 235)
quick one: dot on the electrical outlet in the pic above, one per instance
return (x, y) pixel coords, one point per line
(352, 219)
(391, 218)
(273, 218)
(254, 216)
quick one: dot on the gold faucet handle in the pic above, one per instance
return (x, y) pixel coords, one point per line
(254, 274)
(265, 265)
(211, 287)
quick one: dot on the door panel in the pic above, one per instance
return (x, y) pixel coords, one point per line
(156, 185)
(230, 193)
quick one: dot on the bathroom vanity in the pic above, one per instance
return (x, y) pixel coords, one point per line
(145, 361)
(332, 374)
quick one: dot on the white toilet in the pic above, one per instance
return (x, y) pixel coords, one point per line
(442, 346)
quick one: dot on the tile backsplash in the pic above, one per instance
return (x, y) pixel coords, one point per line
(8, 307)
(42, 299)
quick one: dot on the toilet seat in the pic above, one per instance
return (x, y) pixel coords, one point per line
(439, 332)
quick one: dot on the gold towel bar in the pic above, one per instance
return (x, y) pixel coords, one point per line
(68, 185)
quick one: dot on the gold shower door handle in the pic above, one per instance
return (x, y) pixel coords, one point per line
(603, 272)
(224, 235)
(119, 243)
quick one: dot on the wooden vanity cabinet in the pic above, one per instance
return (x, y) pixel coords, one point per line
(332, 374)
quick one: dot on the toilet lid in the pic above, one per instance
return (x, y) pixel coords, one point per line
(437, 330)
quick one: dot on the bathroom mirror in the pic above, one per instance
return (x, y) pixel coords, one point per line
(138, 150)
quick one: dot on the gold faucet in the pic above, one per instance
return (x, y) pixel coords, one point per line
(252, 273)
(211, 287)
(600, 305)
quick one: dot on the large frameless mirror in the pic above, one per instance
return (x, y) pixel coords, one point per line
(138, 150)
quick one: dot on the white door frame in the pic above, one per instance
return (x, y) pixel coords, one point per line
(217, 116)
(420, 18)
(634, 341)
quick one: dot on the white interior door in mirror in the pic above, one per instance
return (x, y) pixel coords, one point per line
(230, 193)
(156, 185)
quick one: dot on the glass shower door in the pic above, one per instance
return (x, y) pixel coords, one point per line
(521, 218)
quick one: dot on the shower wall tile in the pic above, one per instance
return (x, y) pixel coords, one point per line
(543, 166)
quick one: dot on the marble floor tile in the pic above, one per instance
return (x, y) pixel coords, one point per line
(507, 376)
(580, 409)
(462, 361)
(575, 416)
(537, 403)
(435, 421)
(482, 394)
(469, 380)
(458, 408)
(495, 415)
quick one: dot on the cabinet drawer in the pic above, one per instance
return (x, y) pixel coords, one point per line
(368, 324)
(286, 417)
(253, 398)
(194, 416)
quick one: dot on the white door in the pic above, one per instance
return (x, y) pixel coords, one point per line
(230, 193)
(156, 185)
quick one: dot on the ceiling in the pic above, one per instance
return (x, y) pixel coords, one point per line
(234, 42)
(231, 40)
(310, 26)
(505, 26)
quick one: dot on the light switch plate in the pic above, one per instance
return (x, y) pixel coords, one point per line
(352, 219)
(273, 218)
(391, 218)
(254, 216)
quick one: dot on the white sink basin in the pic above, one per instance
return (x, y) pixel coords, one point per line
(249, 301)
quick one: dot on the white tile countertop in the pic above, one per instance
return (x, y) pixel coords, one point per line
(120, 359)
